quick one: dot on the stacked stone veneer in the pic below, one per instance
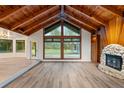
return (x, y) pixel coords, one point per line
(113, 49)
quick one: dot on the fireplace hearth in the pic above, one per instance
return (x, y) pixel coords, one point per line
(112, 60)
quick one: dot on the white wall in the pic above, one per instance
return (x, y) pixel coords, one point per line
(86, 45)
(38, 38)
(14, 36)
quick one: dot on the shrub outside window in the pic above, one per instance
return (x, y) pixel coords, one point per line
(20, 45)
(6, 46)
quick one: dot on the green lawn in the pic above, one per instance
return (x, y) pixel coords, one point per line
(56, 53)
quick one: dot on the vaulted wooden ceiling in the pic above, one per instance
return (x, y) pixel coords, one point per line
(28, 19)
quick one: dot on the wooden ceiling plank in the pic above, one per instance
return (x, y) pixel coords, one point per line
(4, 26)
(73, 22)
(43, 18)
(11, 13)
(80, 20)
(31, 30)
(35, 26)
(93, 17)
(42, 26)
(30, 19)
(111, 10)
(77, 24)
(80, 23)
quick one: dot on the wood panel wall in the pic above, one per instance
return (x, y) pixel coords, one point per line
(114, 30)
(113, 33)
(95, 49)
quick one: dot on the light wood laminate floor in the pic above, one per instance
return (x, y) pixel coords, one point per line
(10, 66)
(66, 75)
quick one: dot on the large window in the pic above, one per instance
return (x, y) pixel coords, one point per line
(62, 41)
(6, 46)
(20, 45)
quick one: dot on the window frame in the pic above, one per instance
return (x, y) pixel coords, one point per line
(62, 37)
(11, 46)
(16, 46)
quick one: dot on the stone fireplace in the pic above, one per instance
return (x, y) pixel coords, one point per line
(112, 60)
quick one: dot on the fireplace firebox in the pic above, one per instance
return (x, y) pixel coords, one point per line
(114, 61)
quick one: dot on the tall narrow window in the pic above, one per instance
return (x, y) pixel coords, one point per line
(62, 41)
(34, 49)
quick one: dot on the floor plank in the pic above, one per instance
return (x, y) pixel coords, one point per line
(66, 75)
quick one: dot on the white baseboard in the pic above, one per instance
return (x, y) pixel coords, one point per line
(45, 60)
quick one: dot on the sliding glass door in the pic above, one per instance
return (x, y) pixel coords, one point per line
(52, 50)
(71, 49)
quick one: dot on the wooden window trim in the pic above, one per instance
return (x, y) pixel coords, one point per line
(62, 37)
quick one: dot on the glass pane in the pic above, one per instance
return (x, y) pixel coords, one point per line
(71, 49)
(66, 40)
(72, 40)
(48, 39)
(33, 49)
(6, 46)
(20, 45)
(56, 40)
(52, 49)
(53, 30)
(76, 39)
(70, 30)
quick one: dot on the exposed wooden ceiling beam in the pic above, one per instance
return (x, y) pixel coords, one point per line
(79, 23)
(112, 10)
(8, 14)
(43, 25)
(8, 28)
(89, 15)
(79, 18)
(42, 18)
(75, 24)
(51, 20)
(40, 24)
(30, 17)
(4, 26)
(34, 17)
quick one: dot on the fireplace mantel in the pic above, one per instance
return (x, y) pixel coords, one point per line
(112, 49)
